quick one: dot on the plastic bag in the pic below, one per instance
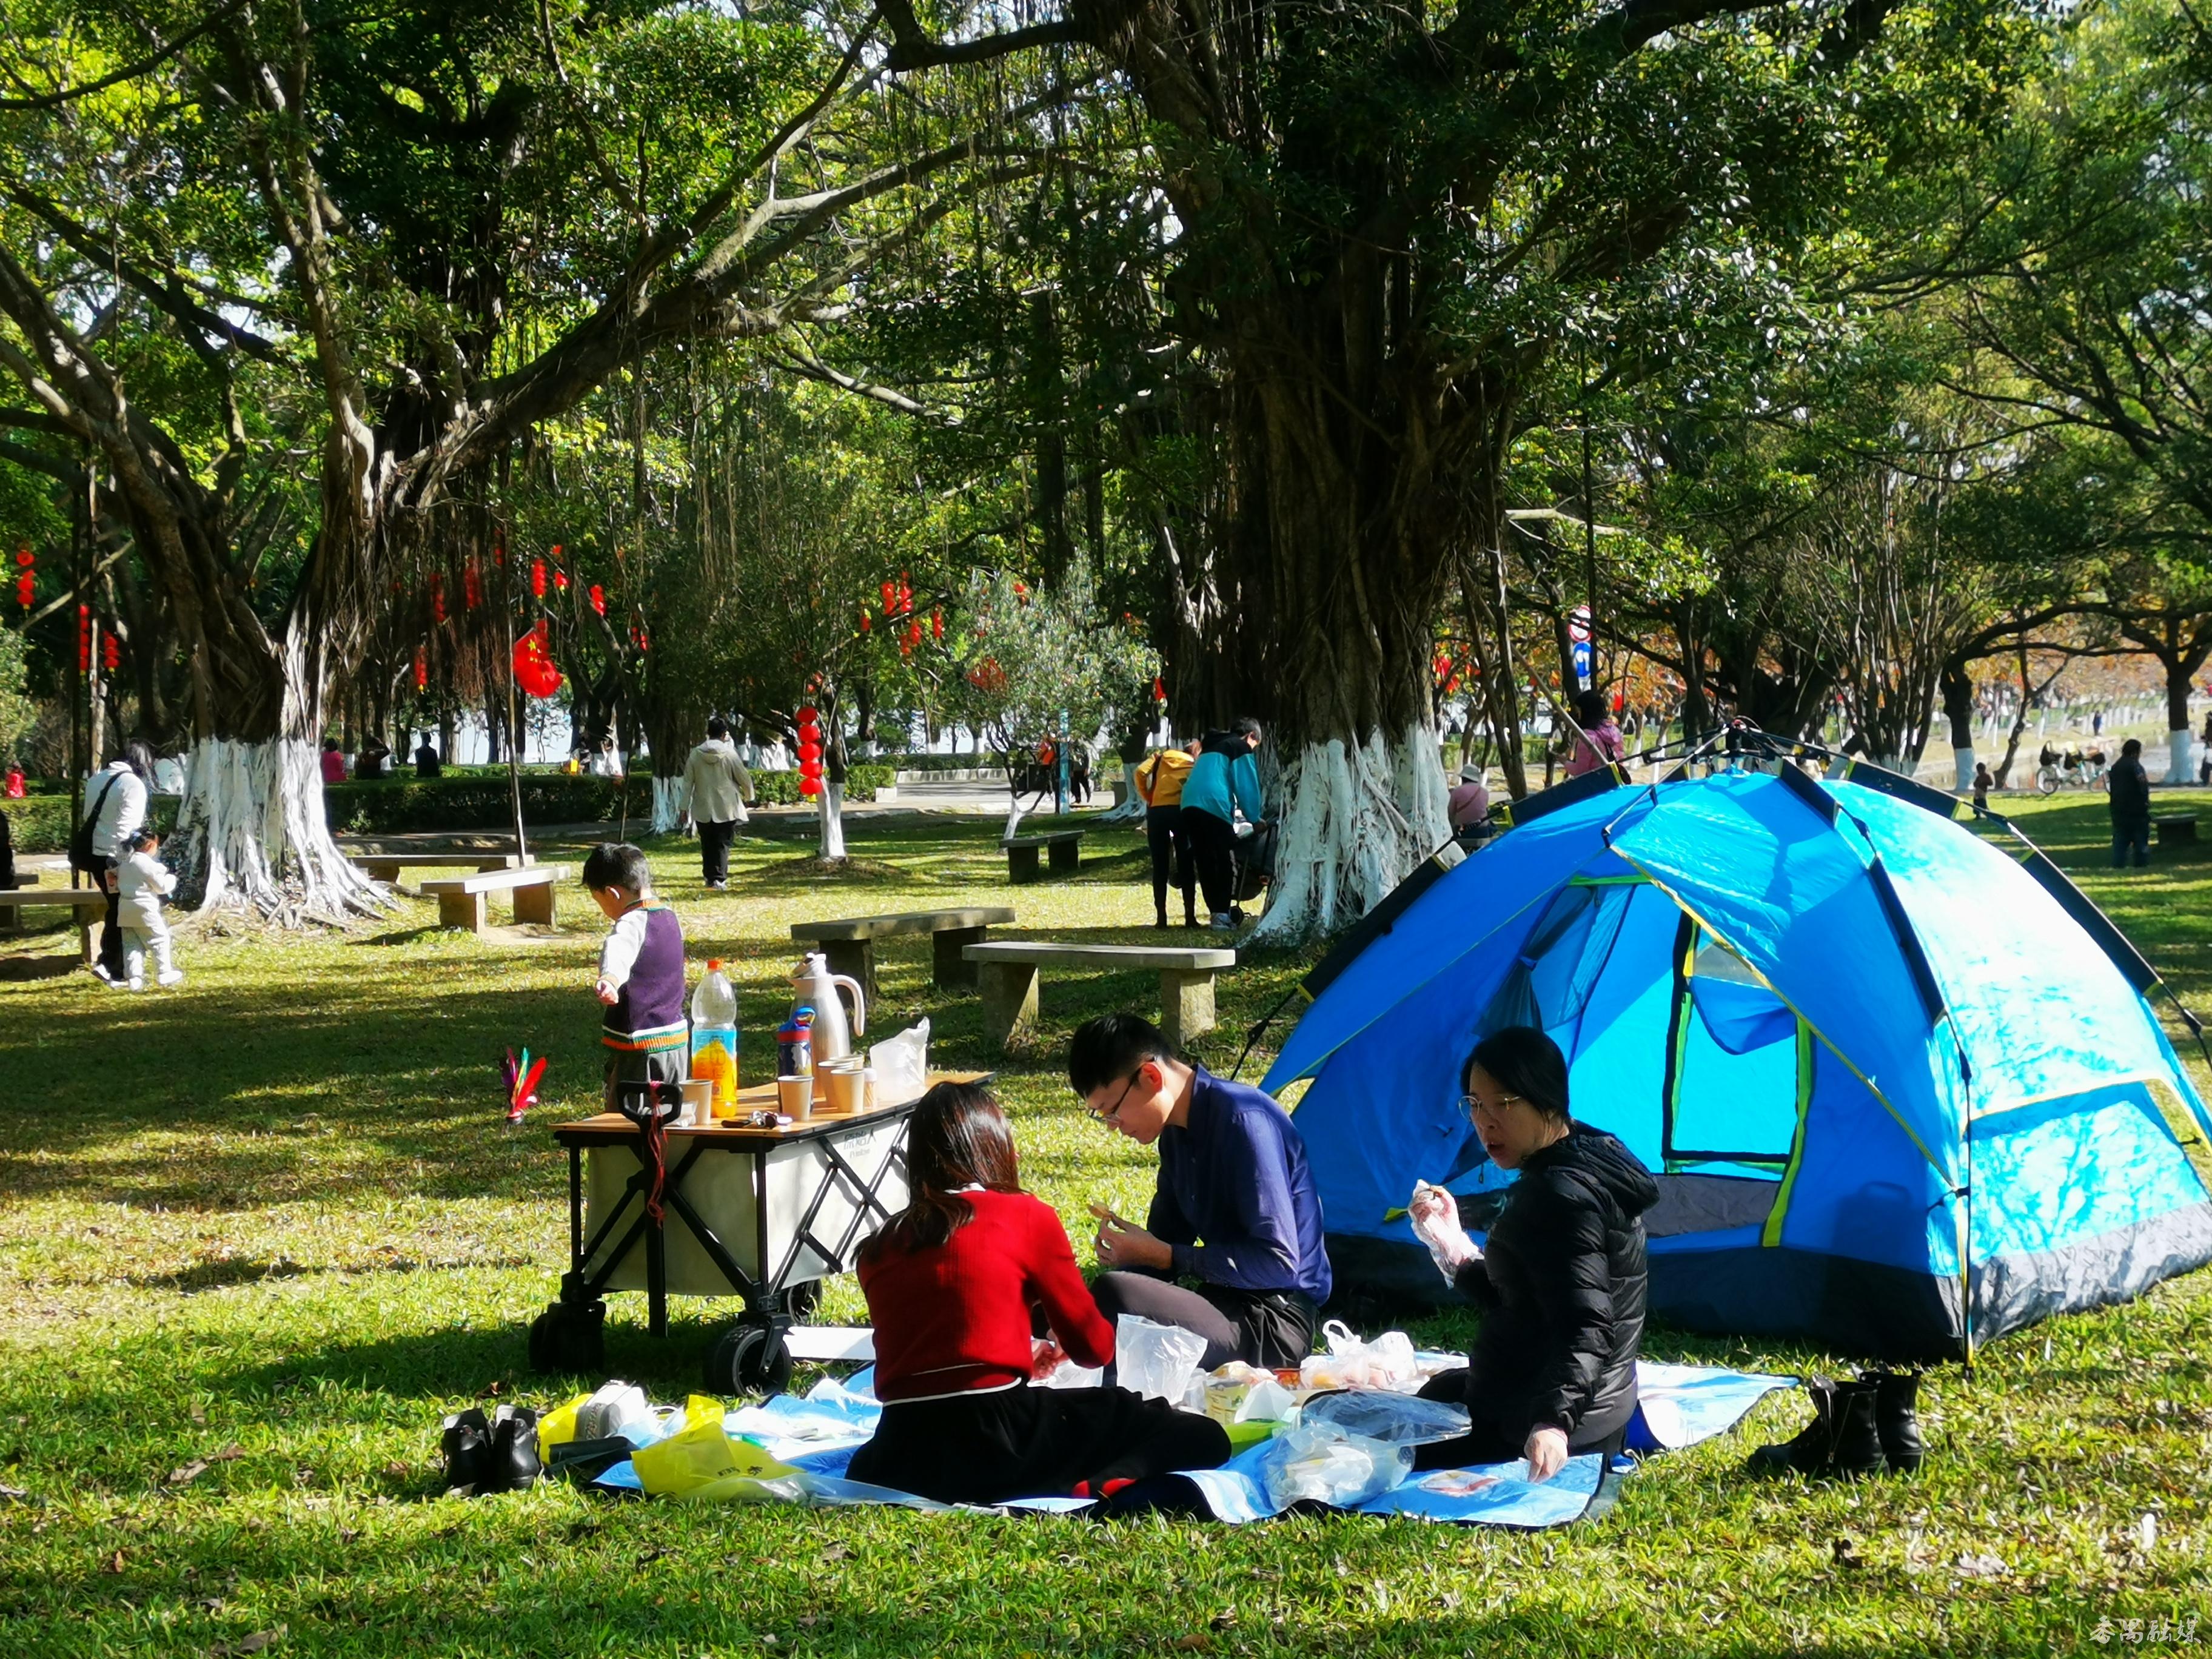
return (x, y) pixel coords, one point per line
(1388, 1362)
(699, 1454)
(1069, 1375)
(1268, 1402)
(1155, 1360)
(902, 1066)
(1344, 1470)
(1395, 1420)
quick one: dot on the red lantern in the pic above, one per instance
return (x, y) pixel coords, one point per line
(25, 557)
(890, 598)
(867, 622)
(561, 580)
(84, 639)
(110, 652)
(25, 586)
(809, 787)
(808, 751)
(421, 670)
(598, 600)
(936, 624)
(1159, 690)
(537, 578)
(437, 597)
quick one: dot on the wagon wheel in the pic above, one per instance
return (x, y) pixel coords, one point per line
(749, 1358)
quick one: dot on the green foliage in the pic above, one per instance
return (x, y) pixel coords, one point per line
(17, 714)
(1033, 656)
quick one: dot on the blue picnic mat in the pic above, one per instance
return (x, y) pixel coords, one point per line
(817, 1434)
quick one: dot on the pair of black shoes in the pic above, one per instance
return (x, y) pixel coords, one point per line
(498, 1453)
(1870, 1426)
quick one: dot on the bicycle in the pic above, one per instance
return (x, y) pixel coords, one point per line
(2073, 767)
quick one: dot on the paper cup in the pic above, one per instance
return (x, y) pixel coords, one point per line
(794, 1097)
(698, 1103)
(848, 1088)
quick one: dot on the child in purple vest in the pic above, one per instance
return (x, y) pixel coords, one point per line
(641, 971)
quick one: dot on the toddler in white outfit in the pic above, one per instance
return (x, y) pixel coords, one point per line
(142, 882)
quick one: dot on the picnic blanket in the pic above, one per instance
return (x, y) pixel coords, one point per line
(806, 1444)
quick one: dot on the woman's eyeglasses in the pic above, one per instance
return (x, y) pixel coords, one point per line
(1474, 1106)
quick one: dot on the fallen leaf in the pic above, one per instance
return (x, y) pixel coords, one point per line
(197, 1415)
(210, 1604)
(1192, 1642)
(259, 1640)
(836, 1552)
(1979, 1566)
(229, 1454)
(113, 1564)
(185, 1475)
(397, 1471)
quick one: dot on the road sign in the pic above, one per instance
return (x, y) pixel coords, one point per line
(1579, 624)
(1581, 650)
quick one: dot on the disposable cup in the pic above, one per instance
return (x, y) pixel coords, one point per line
(848, 1090)
(698, 1103)
(794, 1097)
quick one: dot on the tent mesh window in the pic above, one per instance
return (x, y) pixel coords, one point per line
(1738, 1069)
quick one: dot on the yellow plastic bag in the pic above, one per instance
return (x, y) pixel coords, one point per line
(558, 1427)
(700, 1454)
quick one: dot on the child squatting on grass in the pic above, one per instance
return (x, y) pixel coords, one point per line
(142, 882)
(640, 980)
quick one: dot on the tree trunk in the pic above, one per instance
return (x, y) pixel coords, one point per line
(1959, 710)
(2180, 670)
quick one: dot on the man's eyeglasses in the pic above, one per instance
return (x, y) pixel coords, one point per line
(1120, 1101)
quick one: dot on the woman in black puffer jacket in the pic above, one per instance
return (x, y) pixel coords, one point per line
(1562, 1283)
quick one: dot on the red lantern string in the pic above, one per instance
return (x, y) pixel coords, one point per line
(437, 597)
(890, 599)
(110, 652)
(537, 578)
(421, 670)
(867, 622)
(936, 624)
(598, 600)
(561, 580)
(25, 586)
(84, 639)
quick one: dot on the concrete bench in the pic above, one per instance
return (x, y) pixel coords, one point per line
(2175, 827)
(1067, 847)
(850, 943)
(461, 898)
(1009, 971)
(25, 878)
(387, 867)
(88, 904)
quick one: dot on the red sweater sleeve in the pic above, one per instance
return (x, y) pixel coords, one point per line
(1054, 1281)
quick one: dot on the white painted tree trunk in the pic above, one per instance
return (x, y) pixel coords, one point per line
(1962, 761)
(1355, 821)
(667, 805)
(2177, 766)
(832, 810)
(253, 833)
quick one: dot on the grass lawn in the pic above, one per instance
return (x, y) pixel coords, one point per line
(258, 1235)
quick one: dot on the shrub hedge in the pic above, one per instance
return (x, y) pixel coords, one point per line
(474, 800)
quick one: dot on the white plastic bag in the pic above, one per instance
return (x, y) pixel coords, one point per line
(902, 1066)
(1156, 1360)
(1346, 1470)
(1069, 1375)
(1395, 1420)
(1388, 1362)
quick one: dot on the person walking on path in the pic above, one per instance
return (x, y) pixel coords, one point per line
(1224, 782)
(718, 787)
(142, 882)
(1160, 779)
(1984, 781)
(1236, 1211)
(1600, 742)
(2129, 787)
(116, 798)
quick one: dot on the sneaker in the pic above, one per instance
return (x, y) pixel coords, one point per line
(137, 984)
(99, 972)
(174, 976)
(1221, 923)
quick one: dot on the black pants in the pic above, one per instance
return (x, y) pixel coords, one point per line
(1495, 1442)
(1272, 1328)
(1033, 1442)
(111, 929)
(714, 840)
(1171, 858)
(2127, 838)
(1213, 845)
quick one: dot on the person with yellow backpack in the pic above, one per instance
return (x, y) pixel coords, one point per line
(1160, 778)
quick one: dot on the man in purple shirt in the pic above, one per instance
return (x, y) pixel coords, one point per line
(1235, 1214)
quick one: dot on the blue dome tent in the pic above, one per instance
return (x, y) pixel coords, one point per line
(1900, 1085)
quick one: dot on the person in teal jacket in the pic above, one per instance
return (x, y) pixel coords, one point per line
(1224, 781)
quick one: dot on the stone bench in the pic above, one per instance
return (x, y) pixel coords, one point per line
(461, 898)
(1009, 974)
(1066, 845)
(387, 867)
(2175, 827)
(850, 943)
(89, 905)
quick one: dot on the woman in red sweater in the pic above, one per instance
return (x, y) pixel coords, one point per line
(955, 1284)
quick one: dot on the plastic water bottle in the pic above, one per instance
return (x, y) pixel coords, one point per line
(714, 1037)
(794, 1045)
